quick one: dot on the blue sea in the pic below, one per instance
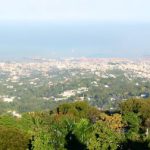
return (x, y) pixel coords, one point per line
(74, 39)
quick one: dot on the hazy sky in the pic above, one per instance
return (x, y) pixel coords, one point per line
(101, 10)
(95, 28)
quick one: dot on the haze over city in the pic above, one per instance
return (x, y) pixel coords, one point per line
(74, 28)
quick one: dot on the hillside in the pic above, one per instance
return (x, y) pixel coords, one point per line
(78, 125)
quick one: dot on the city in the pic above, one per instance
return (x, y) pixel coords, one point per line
(30, 85)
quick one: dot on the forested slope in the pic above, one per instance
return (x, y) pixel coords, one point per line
(78, 125)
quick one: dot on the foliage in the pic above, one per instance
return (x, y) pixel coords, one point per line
(132, 123)
(13, 139)
(102, 137)
(78, 125)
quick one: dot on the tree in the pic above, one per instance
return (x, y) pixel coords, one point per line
(132, 125)
(114, 121)
(13, 139)
(82, 130)
(41, 141)
(103, 138)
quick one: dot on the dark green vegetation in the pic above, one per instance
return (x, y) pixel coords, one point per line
(79, 126)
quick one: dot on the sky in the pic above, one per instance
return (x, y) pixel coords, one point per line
(99, 10)
(92, 28)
